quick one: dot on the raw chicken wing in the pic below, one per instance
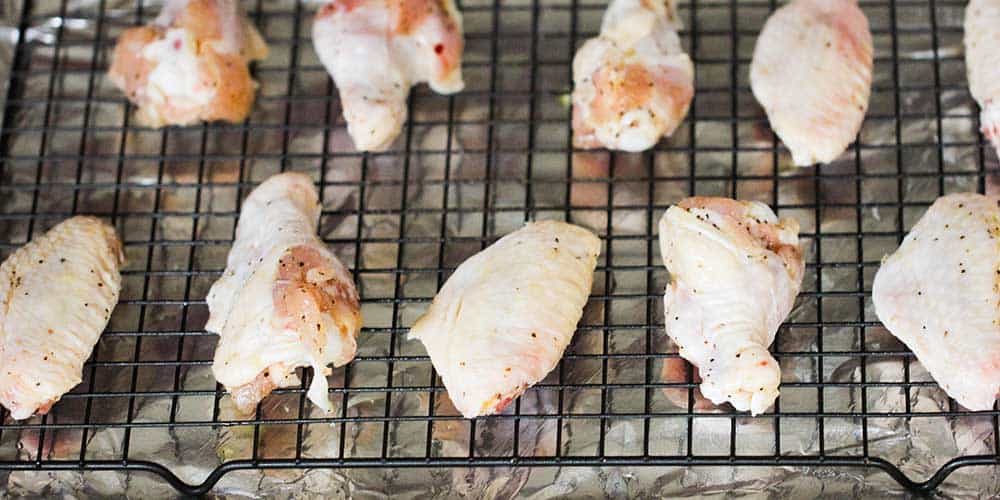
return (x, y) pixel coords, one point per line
(284, 300)
(982, 62)
(735, 272)
(504, 318)
(633, 83)
(58, 292)
(939, 293)
(812, 73)
(190, 64)
(375, 50)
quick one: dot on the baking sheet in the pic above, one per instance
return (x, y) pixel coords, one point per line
(174, 196)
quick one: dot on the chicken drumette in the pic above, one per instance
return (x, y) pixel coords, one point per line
(284, 300)
(632, 84)
(190, 64)
(375, 50)
(735, 271)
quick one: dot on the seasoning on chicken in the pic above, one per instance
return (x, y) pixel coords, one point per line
(735, 271)
(982, 62)
(812, 73)
(633, 83)
(284, 300)
(504, 318)
(58, 292)
(939, 293)
(190, 64)
(375, 50)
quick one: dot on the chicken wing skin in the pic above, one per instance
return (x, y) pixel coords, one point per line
(190, 64)
(982, 62)
(939, 293)
(284, 300)
(503, 319)
(375, 50)
(58, 292)
(632, 84)
(735, 272)
(812, 73)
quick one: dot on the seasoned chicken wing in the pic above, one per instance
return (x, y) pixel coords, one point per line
(812, 73)
(375, 50)
(633, 83)
(190, 64)
(284, 300)
(982, 62)
(735, 271)
(939, 293)
(504, 318)
(58, 292)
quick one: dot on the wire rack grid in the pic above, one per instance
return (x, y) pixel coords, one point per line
(468, 169)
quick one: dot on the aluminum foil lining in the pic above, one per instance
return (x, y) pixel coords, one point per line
(167, 189)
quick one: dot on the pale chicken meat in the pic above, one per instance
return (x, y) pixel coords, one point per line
(58, 293)
(982, 63)
(812, 72)
(503, 319)
(284, 300)
(190, 64)
(375, 50)
(633, 83)
(735, 270)
(939, 293)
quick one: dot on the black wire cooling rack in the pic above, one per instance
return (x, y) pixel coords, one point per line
(68, 147)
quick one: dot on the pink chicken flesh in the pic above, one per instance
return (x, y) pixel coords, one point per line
(982, 62)
(375, 50)
(735, 271)
(190, 64)
(632, 84)
(939, 293)
(284, 300)
(505, 316)
(58, 292)
(812, 73)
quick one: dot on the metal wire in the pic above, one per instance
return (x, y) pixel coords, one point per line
(38, 88)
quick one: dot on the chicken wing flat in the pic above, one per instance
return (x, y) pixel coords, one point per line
(58, 293)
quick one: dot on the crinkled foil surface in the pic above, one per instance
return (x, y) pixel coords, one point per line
(500, 149)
